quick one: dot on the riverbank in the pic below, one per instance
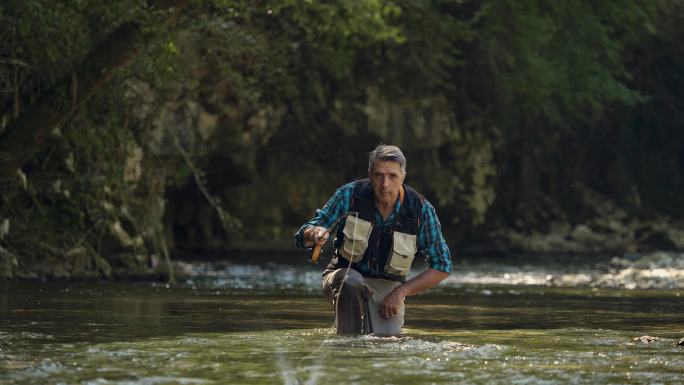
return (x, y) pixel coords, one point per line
(627, 270)
(657, 270)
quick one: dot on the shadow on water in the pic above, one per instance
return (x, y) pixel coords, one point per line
(502, 307)
(104, 312)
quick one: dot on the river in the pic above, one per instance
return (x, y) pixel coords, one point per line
(268, 324)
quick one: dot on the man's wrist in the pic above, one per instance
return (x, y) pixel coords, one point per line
(402, 289)
(309, 236)
(306, 237)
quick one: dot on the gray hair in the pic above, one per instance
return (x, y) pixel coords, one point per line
(387, 153)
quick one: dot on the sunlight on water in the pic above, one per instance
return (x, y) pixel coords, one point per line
(655, 270)
(242, 276)
(244, 324)
(316, 356)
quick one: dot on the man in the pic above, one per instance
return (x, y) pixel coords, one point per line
(383, 225)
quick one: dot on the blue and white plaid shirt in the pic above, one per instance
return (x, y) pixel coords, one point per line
(430, 240)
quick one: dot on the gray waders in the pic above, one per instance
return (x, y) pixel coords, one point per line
(357, 304)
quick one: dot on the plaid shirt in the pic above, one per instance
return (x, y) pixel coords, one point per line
(430, 241)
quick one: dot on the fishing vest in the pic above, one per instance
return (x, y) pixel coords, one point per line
(378, 251)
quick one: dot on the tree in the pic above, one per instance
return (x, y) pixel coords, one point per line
(23, 137)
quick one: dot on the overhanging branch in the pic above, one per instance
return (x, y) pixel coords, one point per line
(24, 136)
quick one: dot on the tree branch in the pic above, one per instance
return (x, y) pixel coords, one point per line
(24, 136)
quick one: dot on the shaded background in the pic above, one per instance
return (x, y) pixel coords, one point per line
(532, 126)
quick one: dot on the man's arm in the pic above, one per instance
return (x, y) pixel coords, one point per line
(437, 255)
(392, 303)
(314, 231)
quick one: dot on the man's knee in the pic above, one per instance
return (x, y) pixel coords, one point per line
(348, 283)
(353, 282)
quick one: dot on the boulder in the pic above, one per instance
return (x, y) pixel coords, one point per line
(660, 235)
(645, 339)
(654, 260)
(676, 236)
(117, 240)
(585, 235)
(85, 263)
(130, 265)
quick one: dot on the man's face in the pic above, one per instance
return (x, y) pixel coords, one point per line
(386, 178)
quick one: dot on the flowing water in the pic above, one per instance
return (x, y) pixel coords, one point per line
(268, 324)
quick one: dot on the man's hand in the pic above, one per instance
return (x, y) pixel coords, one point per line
(315, 235)
(391, 305)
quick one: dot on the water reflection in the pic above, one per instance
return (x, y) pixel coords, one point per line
(250, 325)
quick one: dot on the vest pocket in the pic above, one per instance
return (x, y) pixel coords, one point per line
(403, 251)
(356, 234)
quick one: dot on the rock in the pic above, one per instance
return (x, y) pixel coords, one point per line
(661, 235)
(132, 266)
(182, 270)
(8, 263)
(22, 179)
(404, 121)
(680, 342)
(85, 263)
(79, 258)
(133, 165)
(584, 234)
(538, 242)
(4, 228)
(117, 240)
(611, 225)
(60, 271)
(645, 339)
(69, 163)
(654, 270)
(580, 279)
(658, 241)
(626, 274)
(676, 236)
(143, 96)
(263, 124)
(617, 263)
(174, 126)
(654, 260)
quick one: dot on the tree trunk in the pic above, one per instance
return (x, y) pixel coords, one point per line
(24, 136)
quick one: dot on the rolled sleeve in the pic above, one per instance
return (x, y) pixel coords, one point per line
(337, 205)
(431, 241)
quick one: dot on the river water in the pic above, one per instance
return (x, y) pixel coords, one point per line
(268, 324)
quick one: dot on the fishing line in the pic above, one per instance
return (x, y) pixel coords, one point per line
(314, 353)
(346, 272)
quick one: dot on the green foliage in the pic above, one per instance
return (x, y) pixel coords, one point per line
(517, 97)
(560, 61)
(44, 38)
(425, 62)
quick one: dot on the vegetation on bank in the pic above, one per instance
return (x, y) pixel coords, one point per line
(206, 125)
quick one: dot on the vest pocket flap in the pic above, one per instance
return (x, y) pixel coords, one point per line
(403, 251)
(356, 233)
(404, 244)
(357, 229)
